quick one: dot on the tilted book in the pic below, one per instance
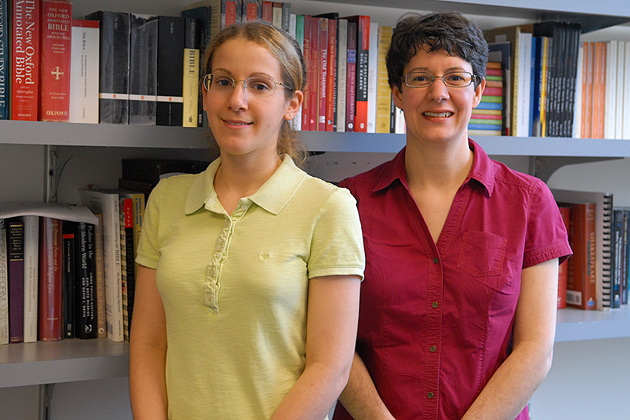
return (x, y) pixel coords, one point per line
(55, 60)
(114, 66)
(25, 31)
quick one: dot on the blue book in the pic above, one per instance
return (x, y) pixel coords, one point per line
(483, 127)
(490, 105)
(5, 48)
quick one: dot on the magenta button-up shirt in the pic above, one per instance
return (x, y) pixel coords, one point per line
(436, 319)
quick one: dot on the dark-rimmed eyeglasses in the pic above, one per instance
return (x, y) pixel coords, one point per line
(453, 79)
(256, 86)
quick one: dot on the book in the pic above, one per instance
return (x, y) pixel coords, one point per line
(296, 122)
(50, 279)
(618, 257)
(603, 236)
(31, 277)
(626, 92)
(308, 88)
(55, 60)
(101, 312)
(586, 129)
(192, 65)
(563, 269)
(599, 90)
(202, 16)
(143, 70)
(69, 279)
(223, 13)
(373, 58)
(115, 32)
(362, 71)
(4, 285)
(108, 204)
(618, 106)
(25, 53)
(5, 59)
(384, 92)
(351, 85)
(330, 98)
(15, 252)
(170, 70)
(267, 11)
(85, 286)
(581, 278)
(252, 10)
(500, 52)
(342, 73)
(610, 83)
(84, 68)
(322, 72)
(126, 259)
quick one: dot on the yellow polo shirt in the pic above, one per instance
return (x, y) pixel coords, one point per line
(234, 287)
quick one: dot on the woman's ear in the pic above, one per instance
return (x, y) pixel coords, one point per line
(479, 92)
(294, 105)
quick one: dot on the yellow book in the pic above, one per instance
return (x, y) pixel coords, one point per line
(383, 92)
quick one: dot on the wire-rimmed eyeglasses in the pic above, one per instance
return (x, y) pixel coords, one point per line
(454, 79)
(256, 86)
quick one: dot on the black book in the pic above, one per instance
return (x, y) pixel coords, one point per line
(69, 278)
(114, 66)
(170, 70)
(143, 71)
(202, 15)
(85, 289)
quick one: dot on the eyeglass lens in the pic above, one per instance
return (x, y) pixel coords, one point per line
(258, 86)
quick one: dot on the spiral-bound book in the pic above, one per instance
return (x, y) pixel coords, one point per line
(603, 239)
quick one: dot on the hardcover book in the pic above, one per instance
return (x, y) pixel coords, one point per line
(372, 78)
(69, 278)
(50, 279)
(192, 104)
(362, 69)
(143, 70)
(5, 59)
(114, 66)
(101, 313)
(25, 30)
(84, 96)
(351, 85)
(170, 70)
(31, 277)
(342, 73)
(4, 285)
(384, 92)
(55, 63)
(85, 286)
(15, 252)
(202, 15)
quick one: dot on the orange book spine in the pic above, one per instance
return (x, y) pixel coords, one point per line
(581, 279)
(563, 269)
(56, 44)
(599, 90)
(587, 90)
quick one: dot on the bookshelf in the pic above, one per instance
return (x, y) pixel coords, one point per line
(76, 360)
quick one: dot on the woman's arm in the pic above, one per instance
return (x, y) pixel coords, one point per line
(514, 383)
(147, 350)
(360, 397)
(331, 331)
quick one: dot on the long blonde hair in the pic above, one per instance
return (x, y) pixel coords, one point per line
(287, 51)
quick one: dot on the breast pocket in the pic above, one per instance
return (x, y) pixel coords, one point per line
(482, 255)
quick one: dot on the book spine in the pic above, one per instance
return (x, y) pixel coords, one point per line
(129, 238)
(192, 60)
(4, 285)
(604, 252)
(84, 97)
(143, 70)
(342, 73)
(267, 11)
(86, 325)
(384, 93)
(363, 46)
(69, 279)
(114, 66)
(322, 73)
(619, 111)
(599, 90)
(25, 60)
(331, 82)
(351, 85)
(99, 270)
(306, 52)
(203, 19)
(5, 59)
(617, 256)
(15, 241)
(31, 276)
(313, 102)
(372, 78)
(230, 12)
(55, 60)
(170, 70)
(299, 36)
(50, 280)
(581, 280)
(252, 10)
(611, 89)
(563, 269)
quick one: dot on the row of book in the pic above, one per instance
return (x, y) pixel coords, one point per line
(603, 90)
(597, 275)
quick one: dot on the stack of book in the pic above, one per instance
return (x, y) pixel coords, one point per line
(487, 117)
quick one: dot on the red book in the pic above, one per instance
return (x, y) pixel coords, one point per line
(331, 84)
(581, 279)
(486, 116)
(231, 11)
(306, 109)
(494, 72)
(322, 72)
(493, 91)
(25, 30)
(50, 279)
(563, 269)
(56, 54)
(267, 11)
(351, 76)
(312, 71)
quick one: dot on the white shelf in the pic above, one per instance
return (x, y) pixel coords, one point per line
(62, 361)
(578, 325)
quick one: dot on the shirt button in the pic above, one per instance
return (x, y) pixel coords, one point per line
(435, 260)
(430, 395)
(434, 305)
(433, 349)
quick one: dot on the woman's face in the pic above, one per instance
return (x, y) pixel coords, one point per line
(437, 113)
(244, 123)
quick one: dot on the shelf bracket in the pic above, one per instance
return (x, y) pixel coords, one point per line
(544, 166)
(45, 396)
(50, 189)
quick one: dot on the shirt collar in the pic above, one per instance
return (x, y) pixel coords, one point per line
(272, 196)
(482, 170)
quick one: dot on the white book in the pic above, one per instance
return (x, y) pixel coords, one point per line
(619, 115)
(626, 93)
(107, 203)
(342, 72)
(31, 277)
(577, 104)
(4, 286)
(400, 127)
(84, 68)
(611, 90)
(603, 237)
(372, 77)
(524, 84)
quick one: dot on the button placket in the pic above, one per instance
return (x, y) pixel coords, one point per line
(213, 271)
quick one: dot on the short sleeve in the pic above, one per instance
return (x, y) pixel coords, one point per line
(148, 251)
(337, 242)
